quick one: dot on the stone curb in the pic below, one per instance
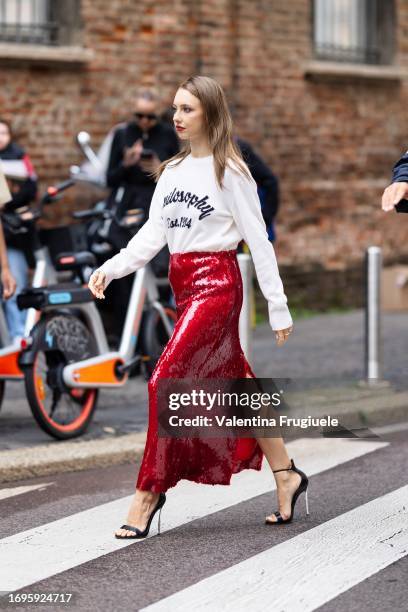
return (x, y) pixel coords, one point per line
(57, 457)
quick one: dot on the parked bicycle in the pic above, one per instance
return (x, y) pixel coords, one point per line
(66, 358)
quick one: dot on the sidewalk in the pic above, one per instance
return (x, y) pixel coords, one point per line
(325, 348)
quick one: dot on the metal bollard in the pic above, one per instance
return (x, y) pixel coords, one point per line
(372, 315)
(245, 265)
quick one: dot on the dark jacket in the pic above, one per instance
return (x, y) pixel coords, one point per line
(264, 178)
(400, 170)
(139, 187)
(23, 194)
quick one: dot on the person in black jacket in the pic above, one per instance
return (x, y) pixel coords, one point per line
(398, 190)
(22, 180)
(138, 148)
(267, 183)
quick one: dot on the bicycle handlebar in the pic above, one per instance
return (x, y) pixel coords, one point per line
(54, 190)
(92, 213)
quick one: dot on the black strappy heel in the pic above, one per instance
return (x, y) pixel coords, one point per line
(138, 532)
(302, 487)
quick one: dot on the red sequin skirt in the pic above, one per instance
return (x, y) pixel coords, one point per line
(205, 344)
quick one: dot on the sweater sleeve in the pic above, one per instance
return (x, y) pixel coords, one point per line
(246, 210)
(148, 241)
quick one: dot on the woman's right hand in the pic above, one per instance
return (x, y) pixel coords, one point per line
(282, 335)
(97, 284)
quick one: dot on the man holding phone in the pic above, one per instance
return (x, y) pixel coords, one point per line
(138, 147)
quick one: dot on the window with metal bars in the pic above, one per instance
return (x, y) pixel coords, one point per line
(360, 31)
(28, 21)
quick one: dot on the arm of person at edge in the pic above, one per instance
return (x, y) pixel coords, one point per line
(398, 190)
(144, 245)
(246, 211)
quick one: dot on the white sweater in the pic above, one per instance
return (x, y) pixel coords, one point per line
(190, 212)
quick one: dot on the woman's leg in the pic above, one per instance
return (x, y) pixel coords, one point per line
(277, 456)
(286, 482)
(140, 509)
(19, 269)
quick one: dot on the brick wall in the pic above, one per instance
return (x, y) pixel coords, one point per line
(332, 141)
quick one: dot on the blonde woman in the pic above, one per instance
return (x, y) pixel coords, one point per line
(204, 203)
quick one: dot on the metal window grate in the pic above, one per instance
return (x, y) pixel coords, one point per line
(347, 30)
(27, 21)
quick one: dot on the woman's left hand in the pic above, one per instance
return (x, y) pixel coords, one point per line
(282, 335)
(9, 283)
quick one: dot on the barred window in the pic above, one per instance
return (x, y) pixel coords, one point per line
(27, 21)
(359, 31)
(43, 22)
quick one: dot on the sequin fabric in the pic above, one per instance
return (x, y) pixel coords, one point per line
(205, 344)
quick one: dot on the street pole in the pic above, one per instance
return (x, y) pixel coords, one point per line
(372, 315)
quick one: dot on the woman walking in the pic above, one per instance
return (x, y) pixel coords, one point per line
(204, 203)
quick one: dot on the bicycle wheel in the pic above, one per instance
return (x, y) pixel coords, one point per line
(61, 411)
(154, 336)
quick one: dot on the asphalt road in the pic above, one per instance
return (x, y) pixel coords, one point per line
(351, 553)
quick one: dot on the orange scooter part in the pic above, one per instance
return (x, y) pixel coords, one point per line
(99, 373)
(9, 367)
(39, 384)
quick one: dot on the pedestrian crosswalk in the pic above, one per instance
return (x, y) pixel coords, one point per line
(13, 491)
(310, 569)
(47, 550)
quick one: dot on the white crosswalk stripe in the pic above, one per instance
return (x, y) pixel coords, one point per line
(308, 570)
(44, 551)
(13, 491)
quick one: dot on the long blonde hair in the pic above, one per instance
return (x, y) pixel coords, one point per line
(218, 128)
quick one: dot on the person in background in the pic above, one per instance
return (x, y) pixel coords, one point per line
(22, 182)
(7, 280)
(398, 190)
(138, 148)
(267, 183)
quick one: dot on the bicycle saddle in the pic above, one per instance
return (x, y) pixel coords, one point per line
(71, 260)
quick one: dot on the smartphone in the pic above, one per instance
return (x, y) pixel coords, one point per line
(146, 154)
(402, 206)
